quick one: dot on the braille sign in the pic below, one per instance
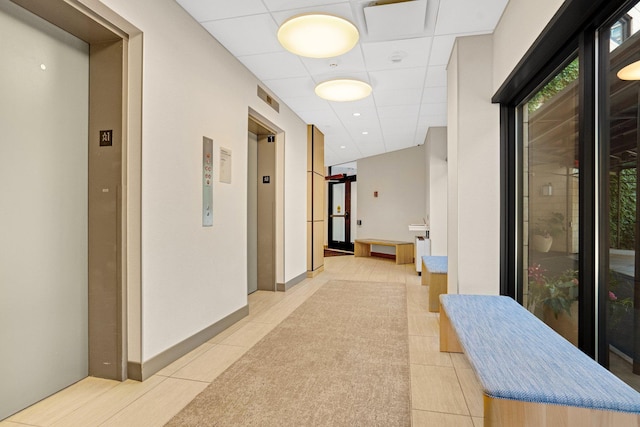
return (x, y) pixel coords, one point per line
(106, 138)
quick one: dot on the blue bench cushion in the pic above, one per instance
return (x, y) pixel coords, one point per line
(435, 264)
(517, 356)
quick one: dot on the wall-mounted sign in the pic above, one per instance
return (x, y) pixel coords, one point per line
(266, 179)
(106, 138)
(207, 182)
(225, 165)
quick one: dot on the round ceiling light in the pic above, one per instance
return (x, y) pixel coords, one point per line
(630, 72)
(343, 90)
(318, 35)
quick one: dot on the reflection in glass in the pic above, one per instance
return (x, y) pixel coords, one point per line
(551, 202)
(623, 97)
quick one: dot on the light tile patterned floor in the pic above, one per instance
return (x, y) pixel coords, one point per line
(444, 390)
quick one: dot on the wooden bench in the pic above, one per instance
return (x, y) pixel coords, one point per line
(404, 250)
(434, 275)
(530, 375)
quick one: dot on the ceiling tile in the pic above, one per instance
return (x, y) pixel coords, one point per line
(366, 107)
(406, 78)
(356, 125)
(326, 119)
(372, 147)
(433, 109)
(275, 5)
(395, 20)
(434, 95)
(372, 130)
(397, 97)
(421, 132)
(292, 87)
(342, 9)
(258, 34)
(398, 124)
(432, 15)
(307, 103)
(412, 52)
(464, 16)
(435, 120)
(344, 65)
(441, 50)
(206, 10)
(409, 111)
(436, 76)
(271, 66)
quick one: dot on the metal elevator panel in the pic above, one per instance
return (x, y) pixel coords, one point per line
(43, 218)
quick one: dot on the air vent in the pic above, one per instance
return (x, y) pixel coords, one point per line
(383, 2)
(262, 94)
(395, 19)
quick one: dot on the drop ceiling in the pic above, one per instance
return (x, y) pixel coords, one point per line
(402, 57)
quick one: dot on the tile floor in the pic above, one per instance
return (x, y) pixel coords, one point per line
(444, 389)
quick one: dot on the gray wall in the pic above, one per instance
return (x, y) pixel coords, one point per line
(399, 178)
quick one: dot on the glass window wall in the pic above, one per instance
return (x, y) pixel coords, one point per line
(550, 178)
(621, 129)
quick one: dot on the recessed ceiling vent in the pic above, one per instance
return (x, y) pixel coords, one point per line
(392, 19)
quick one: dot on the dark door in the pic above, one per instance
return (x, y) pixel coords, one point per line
(340, 214)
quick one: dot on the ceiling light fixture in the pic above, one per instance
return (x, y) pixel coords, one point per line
(365, 133)
(630, 72)
(356, 114)
(318, 35)
(342, 90)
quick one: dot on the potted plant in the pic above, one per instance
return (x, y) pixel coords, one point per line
(553, 298)
(545, 229)
(617, 307)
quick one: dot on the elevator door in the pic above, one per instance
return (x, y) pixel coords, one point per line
(261, 208)
(43, 209)
(266, 213)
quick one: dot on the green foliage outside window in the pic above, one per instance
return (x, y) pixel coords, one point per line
(622, 214)
(568, 75)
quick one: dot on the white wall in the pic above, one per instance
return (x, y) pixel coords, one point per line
(474, 162)
(478, 66)
(453, 123)
(436, 178)
(520, 25)
(193, 276)
(399, 179)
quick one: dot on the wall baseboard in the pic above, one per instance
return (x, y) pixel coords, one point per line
(142, 371)
(283, 287)
(314, 273)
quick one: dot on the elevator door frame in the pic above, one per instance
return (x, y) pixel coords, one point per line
(262, 127)
(108, 34)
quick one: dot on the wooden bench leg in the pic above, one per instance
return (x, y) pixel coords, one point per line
(437, 286)
(404, 254)
(362, 249)
(448, 338)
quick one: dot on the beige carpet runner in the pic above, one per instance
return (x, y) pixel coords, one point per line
(340, 359)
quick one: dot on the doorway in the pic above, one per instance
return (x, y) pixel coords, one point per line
(340, 213)
(342, 195)
(261, 207)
